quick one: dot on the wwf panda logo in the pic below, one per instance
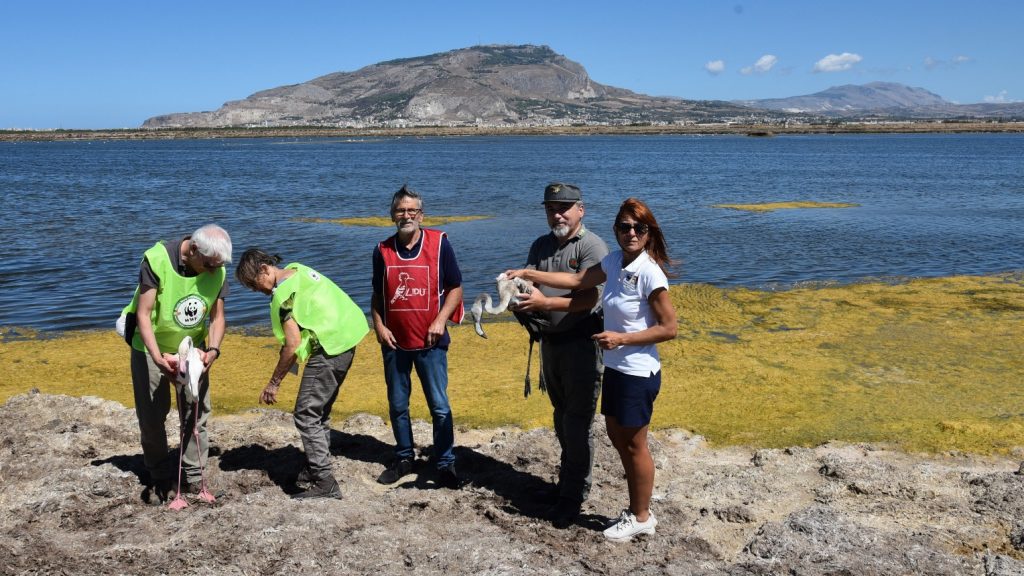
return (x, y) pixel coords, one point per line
(314, 275)
(190, 311)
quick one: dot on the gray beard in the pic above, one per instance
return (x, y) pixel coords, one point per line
(560, 231)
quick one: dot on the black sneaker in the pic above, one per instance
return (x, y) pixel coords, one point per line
(158, 492)
(305, 477)
(565, 512)
(447, 478)
(548, 495)
(398, 469)
(324, 488)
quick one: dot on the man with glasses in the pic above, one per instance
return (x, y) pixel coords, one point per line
(570, 360)
(181, 293)
(417, 288)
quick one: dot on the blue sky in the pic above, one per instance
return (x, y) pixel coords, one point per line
(114, 63)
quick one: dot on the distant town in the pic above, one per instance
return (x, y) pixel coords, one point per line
(732, 126)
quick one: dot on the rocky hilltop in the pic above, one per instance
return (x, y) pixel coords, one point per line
(483, 85)
(71, 492)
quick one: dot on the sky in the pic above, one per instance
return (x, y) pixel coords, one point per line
(92, 64)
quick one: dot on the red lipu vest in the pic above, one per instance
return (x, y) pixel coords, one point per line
(412, 290)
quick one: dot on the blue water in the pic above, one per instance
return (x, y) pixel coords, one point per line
(78, 215)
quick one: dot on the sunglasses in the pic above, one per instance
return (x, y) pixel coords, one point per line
(624, 228)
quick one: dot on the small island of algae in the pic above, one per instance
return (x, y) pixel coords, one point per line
(772, 206)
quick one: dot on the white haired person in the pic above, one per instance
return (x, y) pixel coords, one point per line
(638, 313)
(181, 293)
(317, 323)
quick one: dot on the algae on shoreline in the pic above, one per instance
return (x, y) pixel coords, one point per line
(773, 206)
(929, 365)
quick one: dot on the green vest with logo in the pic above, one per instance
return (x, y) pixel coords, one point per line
(182, 303)
(322, 310)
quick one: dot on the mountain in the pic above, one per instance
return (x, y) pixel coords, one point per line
(490, 85)
(840, 100)
(882, 99)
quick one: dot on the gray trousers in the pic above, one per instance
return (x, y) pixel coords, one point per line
(572, 369)
(152, 404)
(321, 381)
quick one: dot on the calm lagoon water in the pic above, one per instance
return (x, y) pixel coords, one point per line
(78, 215)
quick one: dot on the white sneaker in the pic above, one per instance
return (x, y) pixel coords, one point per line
(628, 526)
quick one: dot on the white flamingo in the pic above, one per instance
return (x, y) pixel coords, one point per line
(508, 288)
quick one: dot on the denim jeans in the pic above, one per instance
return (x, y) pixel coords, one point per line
(432, 369)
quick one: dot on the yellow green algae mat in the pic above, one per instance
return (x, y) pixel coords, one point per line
(927, 365)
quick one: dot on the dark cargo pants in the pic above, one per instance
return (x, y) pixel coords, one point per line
(572, 370)
(321, 381)
(152, 404)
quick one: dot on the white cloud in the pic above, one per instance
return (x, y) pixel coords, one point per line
(715, 67)
(837, 62)
(999, 99)
(763, 64)
(933, 63)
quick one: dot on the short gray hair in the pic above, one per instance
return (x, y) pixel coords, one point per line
(213, 241)
(405, 192)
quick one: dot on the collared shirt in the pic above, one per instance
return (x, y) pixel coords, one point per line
(626, 309)
(580, 252)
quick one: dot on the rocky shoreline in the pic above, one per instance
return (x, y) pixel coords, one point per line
(70, 472)
(758, 130)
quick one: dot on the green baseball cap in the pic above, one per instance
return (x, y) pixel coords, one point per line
(561, 192)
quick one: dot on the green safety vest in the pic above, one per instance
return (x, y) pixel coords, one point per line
(321, 309)
(182, 303)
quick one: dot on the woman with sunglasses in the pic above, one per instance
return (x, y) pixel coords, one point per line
(638, 313)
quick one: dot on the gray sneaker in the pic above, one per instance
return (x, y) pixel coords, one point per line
(324, 488)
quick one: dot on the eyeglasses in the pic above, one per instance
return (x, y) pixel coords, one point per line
(410, 212)
(210, 263)
(625, 227)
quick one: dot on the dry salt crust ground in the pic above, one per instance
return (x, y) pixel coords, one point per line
(70, 491)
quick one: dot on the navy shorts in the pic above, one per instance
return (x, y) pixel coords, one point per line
(629, 399)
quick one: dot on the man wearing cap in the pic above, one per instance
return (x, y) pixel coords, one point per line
(417, 288)
(570, 359)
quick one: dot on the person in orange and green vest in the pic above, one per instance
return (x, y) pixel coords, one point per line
(181, 293)
(316, 323)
